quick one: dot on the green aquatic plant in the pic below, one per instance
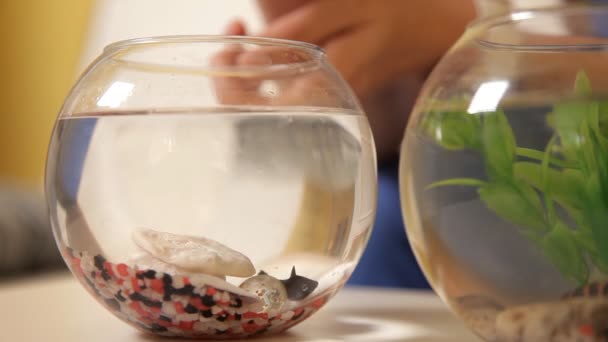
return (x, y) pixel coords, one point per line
(558, 197)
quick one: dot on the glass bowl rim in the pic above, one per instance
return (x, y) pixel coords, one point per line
(209, 38)
(316, 53)
(483, 24)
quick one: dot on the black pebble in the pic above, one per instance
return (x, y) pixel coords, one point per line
(164, 318)
(168, 288)
(167, 280)
(207, 313)
(113, 304)
(220, 332)
(208, 301)
(222, 318)
(105, 275)
(237, 317)
(99, 261)
(136, 296)
(156, 328)
(190, 309)
(150, 274)
(119, 296)
(184, 291)
(237, 303)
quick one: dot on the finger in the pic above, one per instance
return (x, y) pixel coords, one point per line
(316, 21)
(234, 84)
(227, 88)
(236, 28)
(255, 57)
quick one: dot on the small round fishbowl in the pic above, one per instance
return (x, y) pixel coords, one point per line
(211, 187)
(504, 176)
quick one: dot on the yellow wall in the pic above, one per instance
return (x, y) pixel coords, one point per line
(40, 44)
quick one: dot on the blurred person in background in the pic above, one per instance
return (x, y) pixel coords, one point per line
(383, 48)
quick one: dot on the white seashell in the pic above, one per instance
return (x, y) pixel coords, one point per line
(194, 254)
(145, 261)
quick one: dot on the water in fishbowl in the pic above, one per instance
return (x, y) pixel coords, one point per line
(505, 213)
(225, 222)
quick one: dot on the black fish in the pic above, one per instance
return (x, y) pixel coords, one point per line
(299, 287)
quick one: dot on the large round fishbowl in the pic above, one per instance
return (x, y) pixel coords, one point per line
(504, 176)
(211, 187)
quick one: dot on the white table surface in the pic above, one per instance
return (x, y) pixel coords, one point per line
(56, 308)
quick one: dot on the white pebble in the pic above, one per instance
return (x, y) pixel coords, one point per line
(287, 315)
(168, 309)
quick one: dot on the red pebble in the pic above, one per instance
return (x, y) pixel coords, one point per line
(135, 284)
(317, 304)
(186, 325)
(197, 302)
(76, 266)
(298, 312)
(164, 323)
(250, 327)
(179, 307)
(137, 308)
(186, 281)
(157, 285)
(146, 320)
(119, 282)
(123, 270)
(249, 315)
(108, 267)
(211, 291)
(140, 310)
(586, 330)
